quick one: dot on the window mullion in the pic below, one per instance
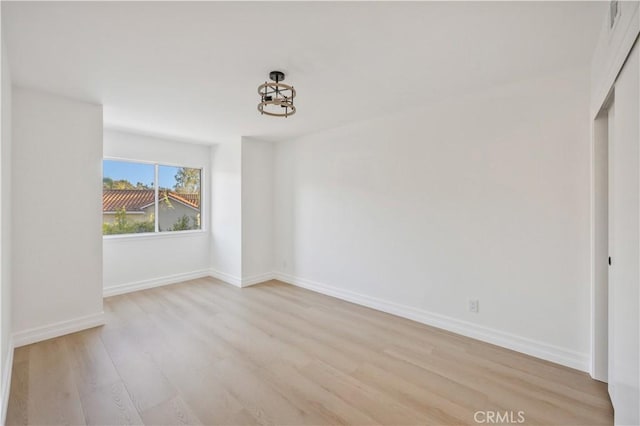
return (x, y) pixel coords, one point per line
(157, 208)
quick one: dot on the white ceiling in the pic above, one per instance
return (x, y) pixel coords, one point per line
(192, 69)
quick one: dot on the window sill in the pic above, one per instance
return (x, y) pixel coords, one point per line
(154, 235)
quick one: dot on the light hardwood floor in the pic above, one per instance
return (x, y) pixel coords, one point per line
(203, 352)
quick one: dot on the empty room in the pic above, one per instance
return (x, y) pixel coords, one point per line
(320, 213)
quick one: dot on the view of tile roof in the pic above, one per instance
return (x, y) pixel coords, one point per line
(137, 199)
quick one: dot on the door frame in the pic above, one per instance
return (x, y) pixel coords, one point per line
(599, 192)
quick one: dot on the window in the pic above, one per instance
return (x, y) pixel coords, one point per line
(147, 198)
(178, 198)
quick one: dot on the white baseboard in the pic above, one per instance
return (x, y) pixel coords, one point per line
(178, 278)
(61, 328)
(154, 282)
(228, 278)
(514, 342)
(241, 282)
(7, 369)
(257, 279)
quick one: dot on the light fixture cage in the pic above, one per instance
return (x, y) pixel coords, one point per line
(276, 98)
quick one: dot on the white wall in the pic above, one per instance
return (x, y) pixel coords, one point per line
(5, 231)
(226, 211)
(57, 262)
(257, 210)
(483, 197)
(138, 261)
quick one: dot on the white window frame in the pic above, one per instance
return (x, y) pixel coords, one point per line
(157, 234)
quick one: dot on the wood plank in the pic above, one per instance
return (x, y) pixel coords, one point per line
(91, 365)
(204, 352)
(145, 382)
(173, 412)
(53, 398)
(110, 405)
(17, 410)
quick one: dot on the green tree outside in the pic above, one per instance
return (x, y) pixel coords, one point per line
(122, 225)
(109, 183)
(187, 181)
(184, 223)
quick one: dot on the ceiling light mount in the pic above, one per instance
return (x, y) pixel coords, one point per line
(276, 76)
(276, 98)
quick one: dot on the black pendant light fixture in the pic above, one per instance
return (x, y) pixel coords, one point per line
(276, 98)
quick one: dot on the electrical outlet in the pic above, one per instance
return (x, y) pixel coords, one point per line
(474, 305)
